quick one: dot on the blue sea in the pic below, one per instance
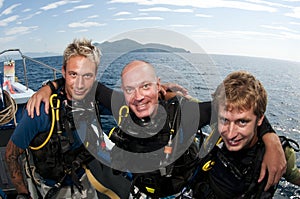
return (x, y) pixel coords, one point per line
(200, 74)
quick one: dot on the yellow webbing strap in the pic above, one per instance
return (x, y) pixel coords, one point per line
(122, 114)
(98, 186)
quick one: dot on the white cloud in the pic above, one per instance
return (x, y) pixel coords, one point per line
(246, 35)
(83, 30)
(20, 30)
(8, 20)
(183, 10)
(85, 24)
(156, 9)
(122, 13)
(182, 26)
(139, 18)
(295, 13)
(31, 15)
(278, 28)
(203, 4)
(294, 23)
(269, 3)
(203, 15)
(143, 14)
(9, 10)
(292, 0)
(93, 16)
(57, 4)
(164, 9)
(289, 35)
(79, 7)
(234, 34)
(26, 10)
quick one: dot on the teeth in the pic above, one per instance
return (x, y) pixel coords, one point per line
(232, 141)
(141, 105)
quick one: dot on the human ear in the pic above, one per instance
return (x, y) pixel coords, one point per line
(260, 120)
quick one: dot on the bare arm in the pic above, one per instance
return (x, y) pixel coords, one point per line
(274, 160)
(12, 155)
(42, 95)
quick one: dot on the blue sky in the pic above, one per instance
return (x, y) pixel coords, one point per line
(246, 27)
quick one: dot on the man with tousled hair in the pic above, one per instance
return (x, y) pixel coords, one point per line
(240, 103)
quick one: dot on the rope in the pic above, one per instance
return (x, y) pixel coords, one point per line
(9, 113)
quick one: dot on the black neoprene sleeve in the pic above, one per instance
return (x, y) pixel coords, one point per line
(59, 82)
(264, 128)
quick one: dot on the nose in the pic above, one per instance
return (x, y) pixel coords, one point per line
(231, 130)
(79, 83)
(138, 94)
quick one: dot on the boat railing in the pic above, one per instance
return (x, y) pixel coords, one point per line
(24, 57)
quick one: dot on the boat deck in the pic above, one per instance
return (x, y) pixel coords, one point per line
(22, 94)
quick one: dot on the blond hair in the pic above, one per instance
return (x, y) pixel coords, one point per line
(82, 47)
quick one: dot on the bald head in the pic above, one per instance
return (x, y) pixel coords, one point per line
(138, 65)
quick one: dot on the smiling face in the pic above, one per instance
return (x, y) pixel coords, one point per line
(141, 87)
(238, 128)
(80, 74)
(240, 103)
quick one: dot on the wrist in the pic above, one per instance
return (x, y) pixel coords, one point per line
(50, 84)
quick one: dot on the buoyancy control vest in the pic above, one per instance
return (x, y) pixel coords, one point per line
(226, 174)
(146, 147)
(63, 153)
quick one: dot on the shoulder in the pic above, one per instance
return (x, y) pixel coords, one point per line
(292, 171)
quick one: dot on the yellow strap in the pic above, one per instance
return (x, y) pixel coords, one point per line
(99, 187)
(150, 190)
(121, 115)
(111, 132)
(53, 111)
(126, 108)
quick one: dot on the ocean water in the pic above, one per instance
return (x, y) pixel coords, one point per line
(200, 74)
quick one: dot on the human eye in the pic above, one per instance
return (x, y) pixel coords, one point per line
(243, 122)
(73, 74)
(129, 90)
(146, 86)
(88, 76)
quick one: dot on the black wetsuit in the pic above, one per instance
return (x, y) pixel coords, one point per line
(233, 174)
(140, 145)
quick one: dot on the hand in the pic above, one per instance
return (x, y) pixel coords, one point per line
(274, 160)
(174, 88)
(42, 95)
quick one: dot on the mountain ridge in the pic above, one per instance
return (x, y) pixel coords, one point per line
(128, 45)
